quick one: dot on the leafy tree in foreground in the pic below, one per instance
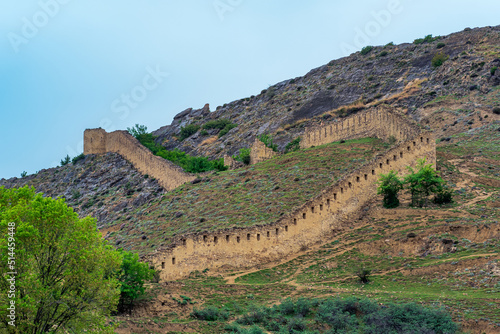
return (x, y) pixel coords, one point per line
(132, 276)
(389, 185)
(65, 271)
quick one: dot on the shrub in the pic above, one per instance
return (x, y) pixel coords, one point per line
(227, 129)
(293, 146)
(204, 132)
(363, 274)
(389, 185)
(383, 53)
(493, 70)
(24, 174)
(138, 130)
(188, 131)
(78, 158)
(268, 141)
(65, 160)
(210, 313)
(444, 196)
(439, 59)
(426, 39)
(216, 124)
(440, 45)
(244, 156)
(366, 50)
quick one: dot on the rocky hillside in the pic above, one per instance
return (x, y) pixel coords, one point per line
(401, 75)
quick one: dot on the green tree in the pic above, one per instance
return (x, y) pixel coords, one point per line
(389, 185)
(132, 275)
(65, 160)
(422, 183)
(244, 156)
(138, 130)
(64, 279)
(268, 141)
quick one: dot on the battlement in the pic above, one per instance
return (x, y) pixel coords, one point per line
(169, 175)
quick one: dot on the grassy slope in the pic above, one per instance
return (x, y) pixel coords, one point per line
(257, 194)
(461, 274)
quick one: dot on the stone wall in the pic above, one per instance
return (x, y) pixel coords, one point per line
(170, 176)
(382, 122)
(313, 222)
(260, 152)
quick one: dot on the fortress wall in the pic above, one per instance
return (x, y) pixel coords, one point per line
(382, 123)
(260, 152)
(170, 176)
(315, 221)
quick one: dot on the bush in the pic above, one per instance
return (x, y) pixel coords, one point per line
(268, 141)
(65, 160)
(78, 158)
(204, 132)
(244, 156)
(363, 274)
(228, 128)
(426, 39)
(389, 185)
(138, 130)
(366, 50)
(383, 53)
(444, 196)
(210, 313)
(24, 174)
(188, 131)
(216, 124)
(293, 146)
(440, 45)
(439, 59)
(422, 183)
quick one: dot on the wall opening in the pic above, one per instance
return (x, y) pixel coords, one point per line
(380, 165)
(394, 157)
(357, 178)
(341, 190)
(366, 177)
(173, 260)
(400, 154)
(335, 196)
(163, 265)
(268, 234)
(408, 148)
(427, 140)
(258, 236)
(321, 207)
(227, 238)
(215, 240)
(328, 200)
(414, 144)
(312, 209)
(277, 231)
(248, 236)
(350, 185)
(387, 161)
(183, 242)
(304, 215)
(373, 171)
(286, 228)
(237, 239)
(205, 238)
(421, 139)
(294, 221)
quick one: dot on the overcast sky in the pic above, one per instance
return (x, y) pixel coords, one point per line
(68, 65)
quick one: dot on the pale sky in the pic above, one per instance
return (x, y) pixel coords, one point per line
(68, 65)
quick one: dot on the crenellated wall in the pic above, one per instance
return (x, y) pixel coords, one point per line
(170, 176)
(382, 122)
(313, 222)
